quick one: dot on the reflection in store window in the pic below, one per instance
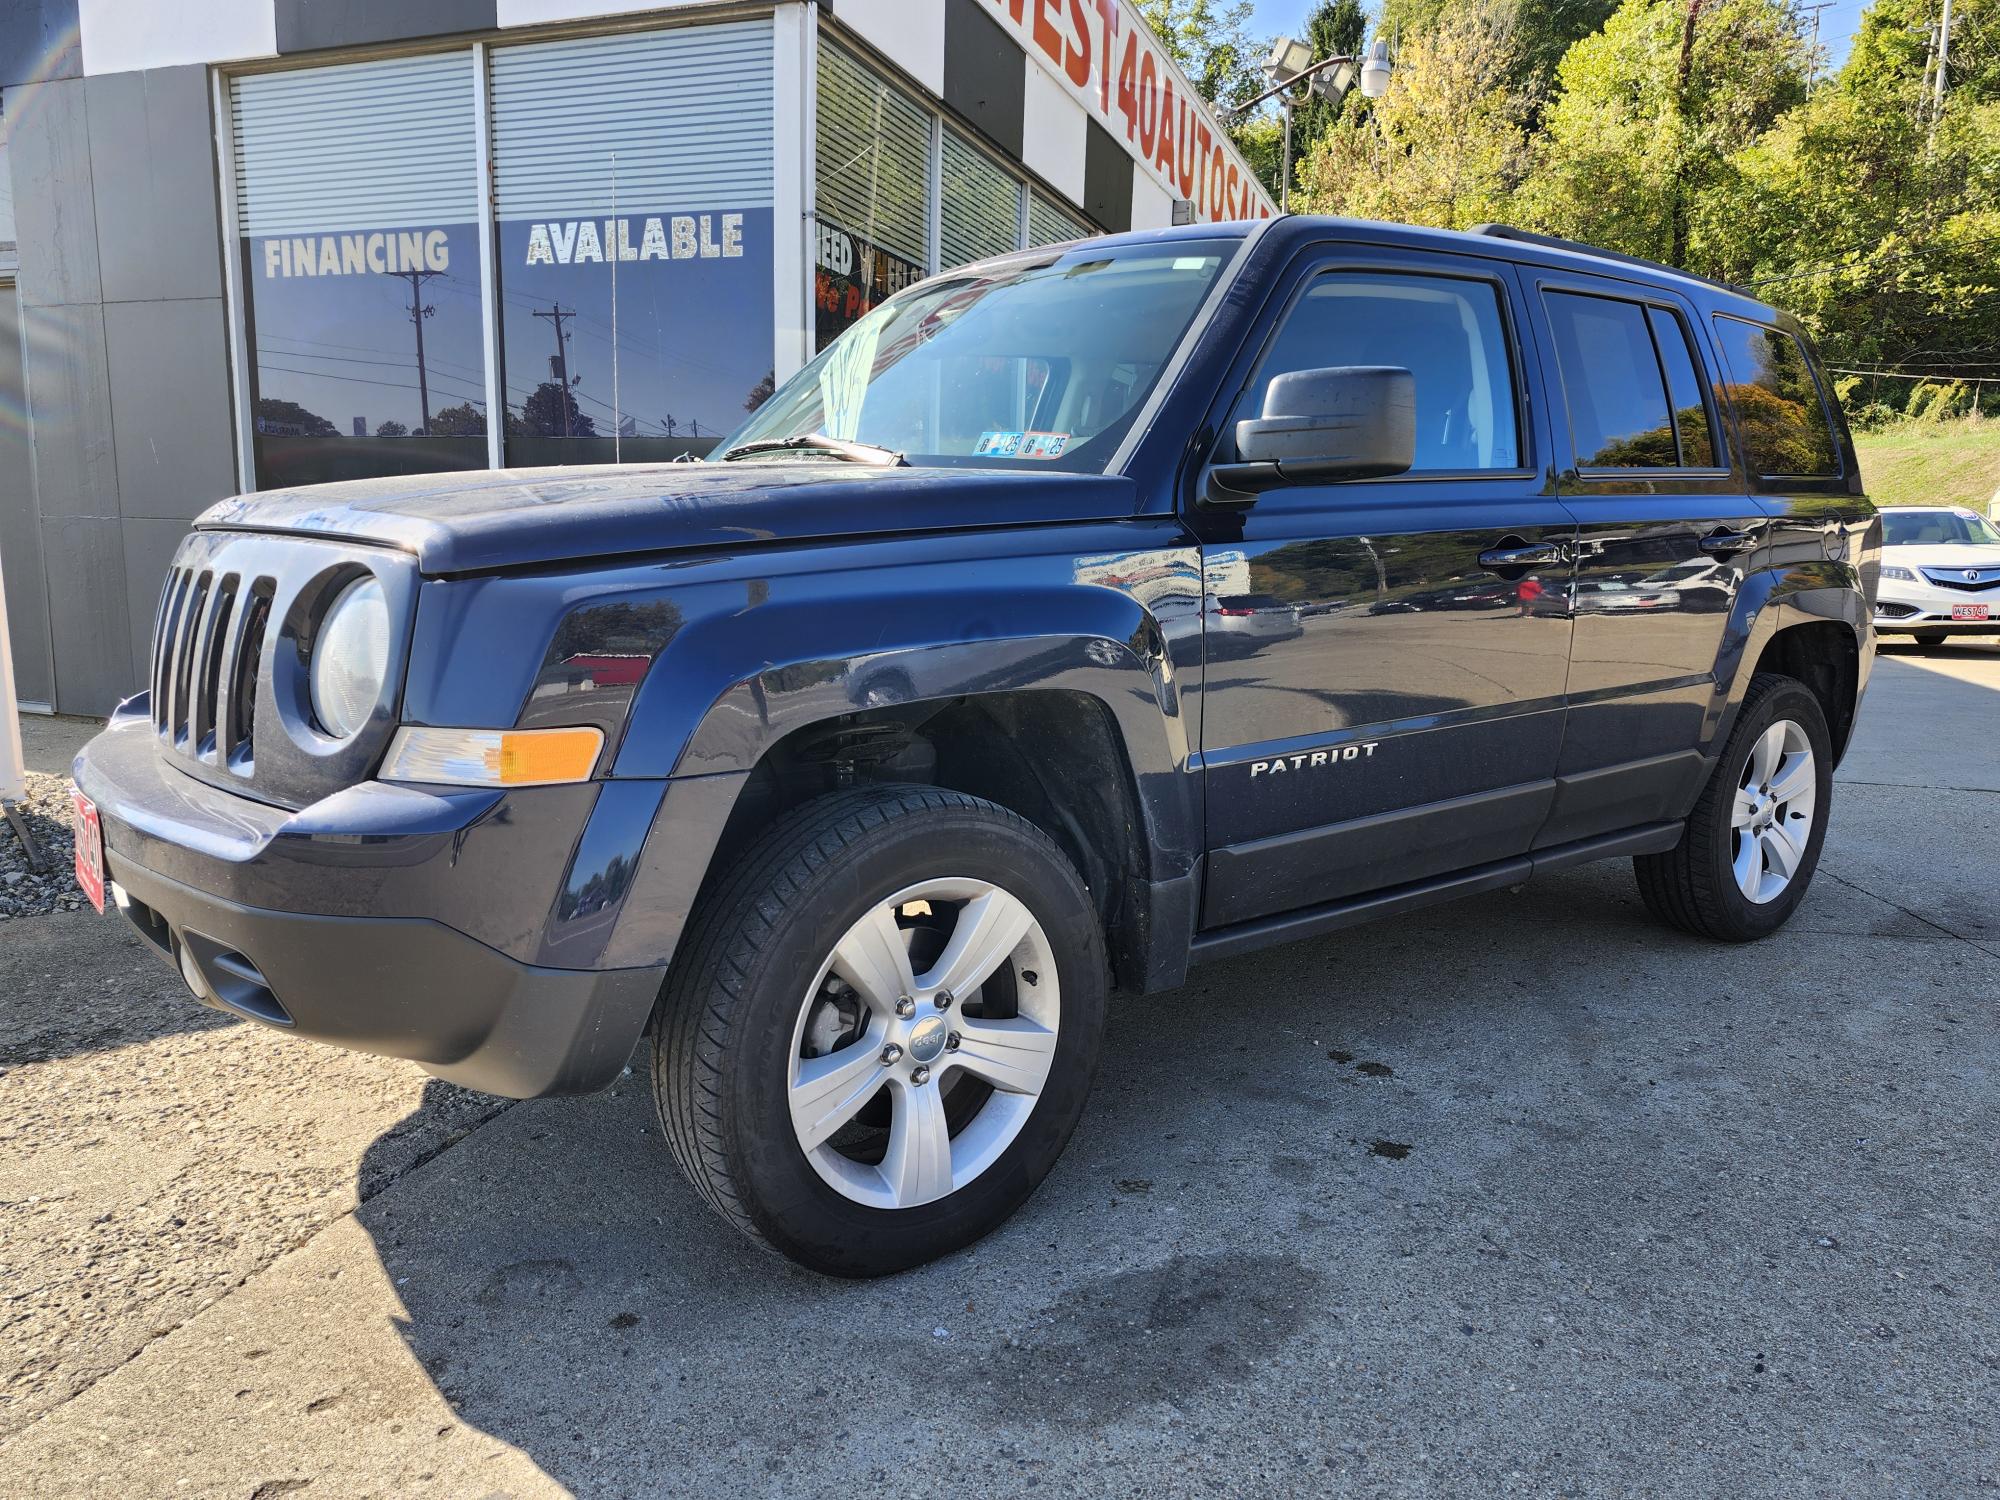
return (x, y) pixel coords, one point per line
(356, 188)
(632, 193)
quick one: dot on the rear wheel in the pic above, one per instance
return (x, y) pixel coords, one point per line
(1753, 840)
(881, 1029)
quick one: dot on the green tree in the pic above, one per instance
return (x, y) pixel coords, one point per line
(391, 428)
(1649, 112)
(1445, 146)
(551, 411)
(285, 417)
(462, 420)
(1874, 220)
(1543, 30)
(1212, 45)
(1333, 28)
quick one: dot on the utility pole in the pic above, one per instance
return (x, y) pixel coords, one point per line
(559, 366)
(419, 310)
(1943, 58)
(1812, 76)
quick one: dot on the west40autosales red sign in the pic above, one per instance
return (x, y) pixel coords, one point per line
(1106, 56)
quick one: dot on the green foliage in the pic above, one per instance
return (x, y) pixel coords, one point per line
(1334, 28)
(1650, 111)
(1446, 146)
(1211, 43)
(462, 420)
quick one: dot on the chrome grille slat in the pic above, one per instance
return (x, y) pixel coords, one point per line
(231, 640)
(182, 664)
(1954, 578)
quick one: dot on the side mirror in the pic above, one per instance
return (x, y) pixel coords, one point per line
(1320, 427)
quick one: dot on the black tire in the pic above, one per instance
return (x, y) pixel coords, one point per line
(752, 948)
(1929, 638)
(1692, 886)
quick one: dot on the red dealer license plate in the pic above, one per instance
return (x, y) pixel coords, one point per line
(89, 848)
(1970, 611)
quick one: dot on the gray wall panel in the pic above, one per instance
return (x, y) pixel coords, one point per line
(69, 404)
(985, 73)
(149, 547)
(21, 527)
(304, 25)
(170, 406)
(38, 39)
(85, 559)
(152, 160)
(48, 139)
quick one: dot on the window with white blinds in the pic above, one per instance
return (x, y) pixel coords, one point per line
(356, 191)
(356, 146)
(872, 156)
(1051, 225)
(632, 185)
(667, 119)
(979, 209)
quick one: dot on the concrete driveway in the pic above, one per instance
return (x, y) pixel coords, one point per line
(1518, 1196)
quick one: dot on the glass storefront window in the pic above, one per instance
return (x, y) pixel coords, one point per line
(872, 174)
(356, 197)
(632, 193)
(979, 209)
(1051, 225)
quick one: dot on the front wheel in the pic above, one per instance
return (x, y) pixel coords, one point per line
(1751, 844)
(881, 1028)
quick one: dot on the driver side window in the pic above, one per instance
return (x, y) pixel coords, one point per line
(1447, 331)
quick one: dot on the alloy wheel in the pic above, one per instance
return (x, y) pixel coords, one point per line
(1771, 820)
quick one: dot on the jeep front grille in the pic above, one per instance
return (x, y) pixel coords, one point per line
(206, 646)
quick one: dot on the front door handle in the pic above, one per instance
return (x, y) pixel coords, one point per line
(1505, 559)
(1722, 543)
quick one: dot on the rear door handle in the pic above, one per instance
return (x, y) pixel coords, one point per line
(1722, 543)
(1502, 559)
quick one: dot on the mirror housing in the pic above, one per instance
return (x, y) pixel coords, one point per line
(1321, 427)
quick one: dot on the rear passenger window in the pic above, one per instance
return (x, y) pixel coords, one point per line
(1778, 404)
(1670, 336)
(1629, 382)
(1617, 396)
(1447, 331)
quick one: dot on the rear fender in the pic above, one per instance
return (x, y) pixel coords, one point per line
(1768, 602)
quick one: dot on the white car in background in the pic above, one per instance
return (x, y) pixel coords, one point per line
(1940, 573)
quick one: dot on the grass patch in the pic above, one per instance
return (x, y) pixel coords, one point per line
(1932, 463)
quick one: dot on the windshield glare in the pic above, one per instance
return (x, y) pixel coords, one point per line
(1937, 528)
(1032, 364)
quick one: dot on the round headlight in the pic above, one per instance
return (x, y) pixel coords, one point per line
(350, 658)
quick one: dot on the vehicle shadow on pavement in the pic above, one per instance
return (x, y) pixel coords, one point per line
(1520, 1186)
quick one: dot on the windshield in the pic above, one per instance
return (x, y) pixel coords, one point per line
(1932, 528)
(1032, 364)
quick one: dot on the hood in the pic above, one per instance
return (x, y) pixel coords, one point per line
(467, 522)
(1943, 555)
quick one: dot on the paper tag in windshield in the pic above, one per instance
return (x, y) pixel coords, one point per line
(1020, 445)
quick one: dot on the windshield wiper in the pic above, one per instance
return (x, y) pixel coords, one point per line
(820, 442)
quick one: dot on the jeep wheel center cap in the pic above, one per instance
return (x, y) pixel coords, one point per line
(927, 1039)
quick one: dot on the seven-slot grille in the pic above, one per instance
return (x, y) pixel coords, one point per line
(206, 647)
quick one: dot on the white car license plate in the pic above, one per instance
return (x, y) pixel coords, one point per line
(1971, 611)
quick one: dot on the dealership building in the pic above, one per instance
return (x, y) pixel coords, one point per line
(254, 243)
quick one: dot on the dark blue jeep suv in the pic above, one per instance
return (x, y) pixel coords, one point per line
(1073, 617)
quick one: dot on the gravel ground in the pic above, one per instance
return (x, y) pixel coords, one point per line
(23, 893)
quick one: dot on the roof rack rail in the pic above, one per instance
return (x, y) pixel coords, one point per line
(1554, 242)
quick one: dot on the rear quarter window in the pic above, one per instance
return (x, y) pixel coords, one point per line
(1778, 403)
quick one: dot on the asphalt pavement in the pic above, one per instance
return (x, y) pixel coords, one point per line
(1522, 1195)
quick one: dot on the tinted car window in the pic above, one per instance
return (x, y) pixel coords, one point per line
(1445, 330)
(1778, 405)
(1902, 528)
(1617, 397)
(1670, 336)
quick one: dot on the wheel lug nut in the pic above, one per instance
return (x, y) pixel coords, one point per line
(921, 1074)
(906, 1007)
(953, 1042)
(942, 1000)
(891, 1053)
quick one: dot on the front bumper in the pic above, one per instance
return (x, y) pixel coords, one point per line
(384, 919)
(1907, 608)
